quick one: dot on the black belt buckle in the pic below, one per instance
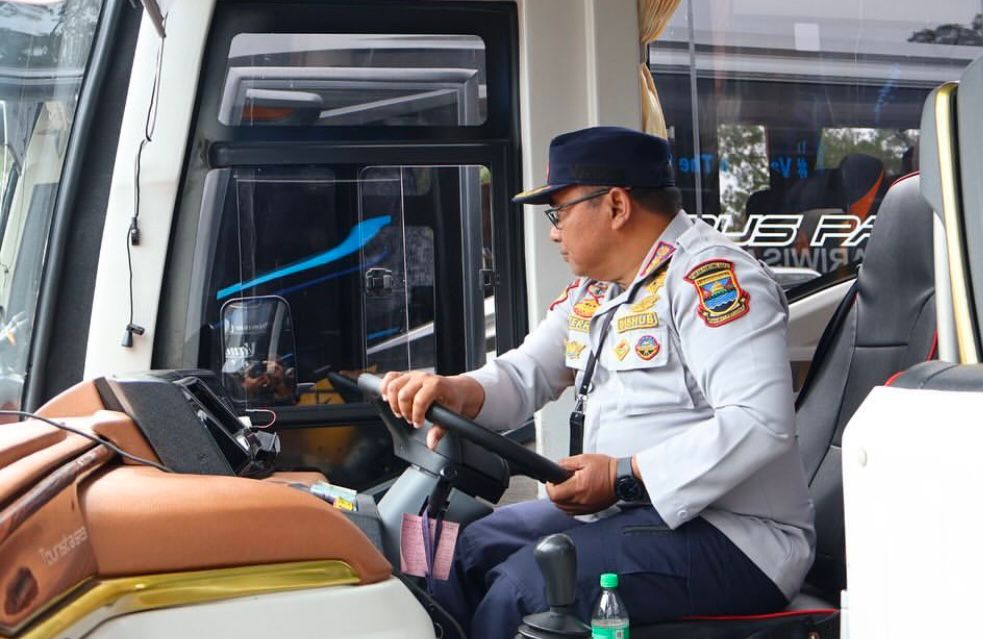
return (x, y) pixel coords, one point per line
(576, 432)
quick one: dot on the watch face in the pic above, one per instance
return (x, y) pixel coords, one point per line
(628, 489)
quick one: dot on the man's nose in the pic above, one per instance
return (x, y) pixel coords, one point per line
(554, 233)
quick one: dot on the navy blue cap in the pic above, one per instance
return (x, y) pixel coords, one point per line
(604, 156)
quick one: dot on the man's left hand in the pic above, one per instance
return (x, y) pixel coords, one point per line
(590, 490)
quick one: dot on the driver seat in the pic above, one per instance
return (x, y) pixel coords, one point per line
(885, 324)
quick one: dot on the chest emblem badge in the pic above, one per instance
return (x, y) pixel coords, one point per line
(722, 300)
(597, 289)
(647, 347)
(656, 284)
(621, 349)
(662, 253)
(586, 307)
(574, 349)
(644, 304)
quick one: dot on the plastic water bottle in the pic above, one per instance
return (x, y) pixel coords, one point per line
(610, 617)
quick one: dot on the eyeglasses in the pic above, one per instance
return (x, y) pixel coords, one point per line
(553, 211)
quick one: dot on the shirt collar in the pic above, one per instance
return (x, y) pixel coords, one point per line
(663, 248)
(660, 252)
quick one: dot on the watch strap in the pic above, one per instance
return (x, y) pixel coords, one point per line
(624, 468)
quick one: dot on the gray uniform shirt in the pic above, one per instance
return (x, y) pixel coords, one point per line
(693, 378)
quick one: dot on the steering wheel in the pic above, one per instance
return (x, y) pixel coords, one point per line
(532, 464)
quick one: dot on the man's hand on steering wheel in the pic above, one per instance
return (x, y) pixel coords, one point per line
(590, 490)
(411, 394)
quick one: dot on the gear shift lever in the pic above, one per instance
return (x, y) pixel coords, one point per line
(557, 559)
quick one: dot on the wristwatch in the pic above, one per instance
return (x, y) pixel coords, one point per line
(627, 487)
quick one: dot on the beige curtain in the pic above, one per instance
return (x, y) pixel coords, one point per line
(653, 16)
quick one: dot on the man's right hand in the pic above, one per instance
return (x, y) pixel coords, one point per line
(410, 396)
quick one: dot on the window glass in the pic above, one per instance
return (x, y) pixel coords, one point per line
(743, 166)
(337, 79)
(44, 50)
(351, 252)
(894, 148)
(789, 122)
(349, 255)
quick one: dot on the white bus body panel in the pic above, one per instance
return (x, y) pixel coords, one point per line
(385, 610)
(188, 22)
(912, 479)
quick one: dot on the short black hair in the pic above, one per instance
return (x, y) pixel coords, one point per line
(668, 200)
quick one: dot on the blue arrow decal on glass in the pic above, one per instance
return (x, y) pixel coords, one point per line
(359, 236)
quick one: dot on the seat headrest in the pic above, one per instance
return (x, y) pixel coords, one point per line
(897, 273)
(862, 176)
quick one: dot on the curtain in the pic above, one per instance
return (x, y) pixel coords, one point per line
(653, 16)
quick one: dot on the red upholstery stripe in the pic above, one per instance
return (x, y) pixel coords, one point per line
(932, 352)
(893, 378)
(931, 356)
(774, 615)
(905, 177)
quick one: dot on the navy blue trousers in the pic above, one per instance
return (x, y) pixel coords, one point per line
(664, 574)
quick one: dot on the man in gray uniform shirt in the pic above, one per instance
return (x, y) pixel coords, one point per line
(692, 479)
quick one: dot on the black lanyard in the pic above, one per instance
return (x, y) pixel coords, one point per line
(577, 416)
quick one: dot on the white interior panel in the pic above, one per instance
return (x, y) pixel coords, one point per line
(912, 476)
(808, 318)
(385, 610)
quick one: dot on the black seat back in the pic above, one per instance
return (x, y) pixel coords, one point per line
(889, 327)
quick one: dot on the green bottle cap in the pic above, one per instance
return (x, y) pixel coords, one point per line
(609, 580)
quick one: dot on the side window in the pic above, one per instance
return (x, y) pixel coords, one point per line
(793, 124)
(44, 51)
(351, 79)
(346, 208)
(788, 125)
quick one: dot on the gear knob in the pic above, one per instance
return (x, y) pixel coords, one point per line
(557, 559)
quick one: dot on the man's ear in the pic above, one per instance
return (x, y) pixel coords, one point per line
(621, 207)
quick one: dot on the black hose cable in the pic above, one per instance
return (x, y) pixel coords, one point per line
(99, 440)
(133, 232)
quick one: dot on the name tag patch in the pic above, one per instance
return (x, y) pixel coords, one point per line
(579, 324)
(640, 320)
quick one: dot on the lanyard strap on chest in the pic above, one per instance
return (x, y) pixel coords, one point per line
(577, 417)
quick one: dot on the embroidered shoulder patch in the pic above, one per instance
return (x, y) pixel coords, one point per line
(562, 297)
(722, 300)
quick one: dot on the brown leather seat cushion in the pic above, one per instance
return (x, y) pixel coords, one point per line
(142, 520)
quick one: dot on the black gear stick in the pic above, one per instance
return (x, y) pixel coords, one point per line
(557, 559)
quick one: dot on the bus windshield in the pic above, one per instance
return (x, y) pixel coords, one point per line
(44, 49)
